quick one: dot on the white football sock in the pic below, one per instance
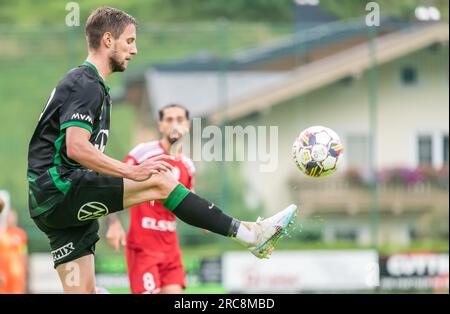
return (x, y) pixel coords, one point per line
(246, 233)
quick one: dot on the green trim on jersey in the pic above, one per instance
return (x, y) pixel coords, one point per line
(64, 187)
(87, 63)
(78, 124)
(62, 137)
(48, 200)
(58, 142)
(176, 197)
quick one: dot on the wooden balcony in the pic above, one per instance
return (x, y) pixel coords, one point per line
(338, 195)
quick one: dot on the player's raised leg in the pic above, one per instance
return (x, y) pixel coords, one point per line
(259, 237)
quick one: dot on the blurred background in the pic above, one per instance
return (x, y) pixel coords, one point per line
(378, 225)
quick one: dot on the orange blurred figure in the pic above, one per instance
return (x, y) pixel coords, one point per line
(13, 257)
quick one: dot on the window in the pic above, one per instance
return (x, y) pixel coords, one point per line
(346, 81)
(413, 233)
(432, 148)
(435, 47)
(409, 75)
(344, 234)
(425, 146)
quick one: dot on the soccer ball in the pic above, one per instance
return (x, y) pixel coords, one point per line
(317, 151)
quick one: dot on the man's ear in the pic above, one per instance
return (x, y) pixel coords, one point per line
(107, 39)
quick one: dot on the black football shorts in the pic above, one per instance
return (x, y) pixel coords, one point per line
(72, 225)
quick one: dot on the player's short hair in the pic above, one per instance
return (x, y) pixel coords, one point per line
(104, 20)
(161, 111)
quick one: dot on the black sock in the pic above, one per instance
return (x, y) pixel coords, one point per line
(200, 213)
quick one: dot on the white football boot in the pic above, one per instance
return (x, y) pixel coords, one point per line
(268, 231)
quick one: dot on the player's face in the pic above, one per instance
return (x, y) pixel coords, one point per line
(124, 48)
(174, 124)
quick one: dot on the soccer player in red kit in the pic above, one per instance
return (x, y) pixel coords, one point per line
(152, 250)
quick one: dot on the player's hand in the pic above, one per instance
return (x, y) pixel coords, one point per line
(151, 166)
(116, 236)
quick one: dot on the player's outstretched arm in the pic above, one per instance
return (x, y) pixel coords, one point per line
(81, 150)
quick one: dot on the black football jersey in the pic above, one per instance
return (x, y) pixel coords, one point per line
(80, 99)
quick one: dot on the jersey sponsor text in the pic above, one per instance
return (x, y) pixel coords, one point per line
(160, 225)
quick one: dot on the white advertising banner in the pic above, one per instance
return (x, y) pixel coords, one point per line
(297, 271)
(43, 277)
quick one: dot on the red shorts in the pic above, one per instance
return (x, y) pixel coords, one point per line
(149, 271)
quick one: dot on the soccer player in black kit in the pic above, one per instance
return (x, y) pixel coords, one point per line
(72, 182)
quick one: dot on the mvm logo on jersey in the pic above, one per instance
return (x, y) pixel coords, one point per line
(82, 117)
(92, 210)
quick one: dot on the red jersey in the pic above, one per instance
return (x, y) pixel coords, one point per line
(154, 227)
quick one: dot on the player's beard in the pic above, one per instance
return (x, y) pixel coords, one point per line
(175, 146)
(115, 64)
(176, 134)
(172, 139)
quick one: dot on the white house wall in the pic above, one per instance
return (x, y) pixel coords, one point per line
(403, 112)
